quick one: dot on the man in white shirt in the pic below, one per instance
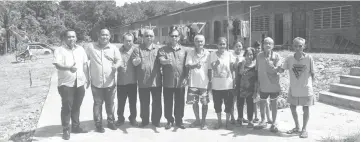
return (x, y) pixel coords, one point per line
(199, 76)
(71, 62)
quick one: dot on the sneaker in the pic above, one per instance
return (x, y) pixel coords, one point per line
(66, 134)
(144, 124)
(78, 130)
(169, 125)
(112, 126)
(181, 126)
(119, 123)
(245, 120)
(100, 129)
(133, 122)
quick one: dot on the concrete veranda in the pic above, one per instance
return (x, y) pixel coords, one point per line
(324, 121)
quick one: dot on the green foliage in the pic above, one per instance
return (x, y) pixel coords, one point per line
(43, 21)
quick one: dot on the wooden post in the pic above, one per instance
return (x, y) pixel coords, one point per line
(31, 82)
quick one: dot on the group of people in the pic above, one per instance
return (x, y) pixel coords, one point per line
(245, 75)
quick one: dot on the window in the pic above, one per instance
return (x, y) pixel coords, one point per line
(165, 31)
(332, 17)
(260, 23)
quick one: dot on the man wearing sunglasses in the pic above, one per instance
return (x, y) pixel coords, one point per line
(149, 79)
(175, 74)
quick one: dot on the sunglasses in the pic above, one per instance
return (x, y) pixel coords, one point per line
(173, 35)
(148, 35)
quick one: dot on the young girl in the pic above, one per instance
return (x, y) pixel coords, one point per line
(301, 72)
(221, 62)
(247, 84)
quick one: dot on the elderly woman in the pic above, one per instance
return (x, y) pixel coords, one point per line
(221, 62)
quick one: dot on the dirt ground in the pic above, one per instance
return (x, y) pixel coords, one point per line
(20, 104)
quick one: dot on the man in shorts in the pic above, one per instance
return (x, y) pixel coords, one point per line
(199, 79)
(269, 81)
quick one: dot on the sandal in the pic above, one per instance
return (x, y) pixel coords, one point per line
(293, 131)
(195, 124)
(204, 127)
(274, 128)
(233, 121)
(304, 134)
(250, 125)
(218, 125)
(261, 125)
(256, 120)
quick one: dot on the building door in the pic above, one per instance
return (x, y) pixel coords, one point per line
(279, 29)
(217, 30)
(299, 24)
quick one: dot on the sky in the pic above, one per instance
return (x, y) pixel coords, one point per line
(121, 2)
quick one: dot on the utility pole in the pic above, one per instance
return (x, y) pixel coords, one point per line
(250, 23)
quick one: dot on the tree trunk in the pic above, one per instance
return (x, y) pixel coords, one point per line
(7, 36)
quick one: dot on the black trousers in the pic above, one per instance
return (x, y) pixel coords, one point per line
(144, 98)
(220, 97)
(71, 100)
(124, 92)
(101, 95)
(178, 94)
(240, 106)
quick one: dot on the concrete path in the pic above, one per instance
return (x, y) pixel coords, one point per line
(324, 121)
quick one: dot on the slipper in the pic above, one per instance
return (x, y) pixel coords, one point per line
(256, 120)
(204, 127)
(293, 131)
(217, 126)
(304, 134)
(261, 125)
(274, 129)
(195, 124)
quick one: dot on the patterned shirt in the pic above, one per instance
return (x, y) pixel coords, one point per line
(300, 75)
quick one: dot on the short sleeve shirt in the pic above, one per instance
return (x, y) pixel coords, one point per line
(126, 72)
(300, 75)
(148, 71)
(198, 78)
(175, 73)
(101, 62)
(67, 57)
(222, 75)
(269, 78)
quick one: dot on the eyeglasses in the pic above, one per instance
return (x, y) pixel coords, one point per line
(173, 35)
(148, 35)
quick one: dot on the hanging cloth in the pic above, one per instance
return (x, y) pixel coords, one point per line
(244, 27)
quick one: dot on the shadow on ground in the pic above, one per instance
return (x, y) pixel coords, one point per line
(238, 130)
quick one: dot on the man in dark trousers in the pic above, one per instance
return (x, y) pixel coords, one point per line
(127, 82)
(149, 79)
(71, 62)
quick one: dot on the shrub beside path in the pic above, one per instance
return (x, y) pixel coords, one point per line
(325, 121)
